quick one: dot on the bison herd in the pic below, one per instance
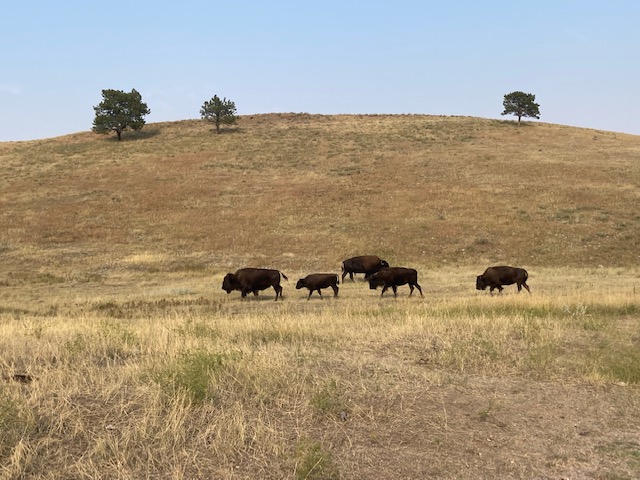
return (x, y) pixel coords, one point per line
(375, 270)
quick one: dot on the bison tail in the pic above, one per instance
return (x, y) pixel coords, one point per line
(284, 276)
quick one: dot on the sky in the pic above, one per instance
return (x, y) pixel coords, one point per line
(581, 59)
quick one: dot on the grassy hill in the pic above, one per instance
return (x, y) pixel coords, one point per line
(121, 357)
(306, 191)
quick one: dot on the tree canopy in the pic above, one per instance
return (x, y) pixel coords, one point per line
(118, 111)
(219, 112)
(521, 104)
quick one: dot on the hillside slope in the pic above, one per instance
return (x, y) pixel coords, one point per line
(305, 191)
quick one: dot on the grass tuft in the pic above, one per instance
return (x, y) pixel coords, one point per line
(314, 462)
(621, 364)
(194, 374)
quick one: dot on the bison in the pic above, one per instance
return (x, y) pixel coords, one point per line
(252, 280)
(496, 277)
(367, 264)
(394, 277)
(318, 281)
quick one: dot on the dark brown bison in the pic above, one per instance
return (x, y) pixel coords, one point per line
(394, 277)
(252, 280)
(318, 281)
(496, 277)
(367, 264)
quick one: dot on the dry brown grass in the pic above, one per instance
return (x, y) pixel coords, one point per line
(141, 367)
(170, 379)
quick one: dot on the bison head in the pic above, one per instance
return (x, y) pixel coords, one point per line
(301, 284)
(384, 264)
(374, 282)
(480, 283)
(229, 283)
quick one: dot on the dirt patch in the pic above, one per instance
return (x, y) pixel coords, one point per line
(493, 428)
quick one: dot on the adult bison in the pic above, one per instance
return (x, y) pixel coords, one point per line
(496, 277)
(252, 280)
(394, 277)
(318, 281)
(367, 264)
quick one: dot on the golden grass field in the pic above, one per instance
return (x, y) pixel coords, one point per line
(135, 364)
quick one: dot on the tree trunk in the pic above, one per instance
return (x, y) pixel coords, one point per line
(519, 117)
(119, 133)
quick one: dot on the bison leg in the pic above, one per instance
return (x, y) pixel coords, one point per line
(278, 290)
(320, 293)
(395, 291)
(384, 289)
(344, 274)
(335, 290)
(418, 287)
(524, 284)
(310, 292)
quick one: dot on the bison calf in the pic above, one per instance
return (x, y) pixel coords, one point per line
(252, 280)
(496, 277)
(318, 281)
(394, 277)
(367, 264)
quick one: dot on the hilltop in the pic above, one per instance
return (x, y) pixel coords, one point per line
(305, 191)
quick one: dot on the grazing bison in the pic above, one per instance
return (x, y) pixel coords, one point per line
(496, 277)
(252, 280)
(394, 277)
(367, 264)
(317, 281)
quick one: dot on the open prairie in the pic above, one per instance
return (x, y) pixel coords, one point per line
(121, 357)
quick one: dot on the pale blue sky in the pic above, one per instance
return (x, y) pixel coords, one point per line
(580, 58)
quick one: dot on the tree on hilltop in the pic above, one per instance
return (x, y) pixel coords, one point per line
(521, 104)
(219, 112)
(118, 111)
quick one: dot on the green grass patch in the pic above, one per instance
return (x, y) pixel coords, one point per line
(118, 340)
(314, 462)
(620, 363)
(48, 278)
(328, 398)
(195, 374)
(76, 345)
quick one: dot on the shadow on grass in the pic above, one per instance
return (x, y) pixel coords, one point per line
(133, 135)
(224, 131)
(251, 298)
